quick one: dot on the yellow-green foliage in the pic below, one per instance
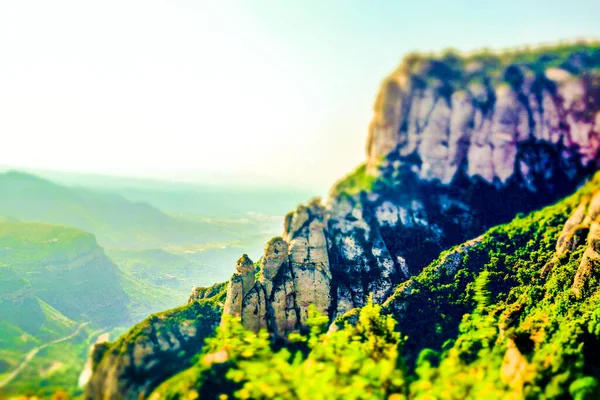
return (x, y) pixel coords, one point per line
(458, 377)
(354, 183)
(493, 328)
(355, 362)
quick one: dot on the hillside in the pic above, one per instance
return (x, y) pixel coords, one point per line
(25, 318)
(116, 221)
(54, 281)
(517, 308)
(454, 149)
(64, 267)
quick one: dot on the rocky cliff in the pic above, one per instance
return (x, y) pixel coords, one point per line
(457, 144)
(155, 349)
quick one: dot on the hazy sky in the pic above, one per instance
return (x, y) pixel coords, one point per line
(254, 90)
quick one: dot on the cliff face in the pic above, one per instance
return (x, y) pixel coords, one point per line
(295, 272)
(456, 145)
(154, 349)
(477, 115)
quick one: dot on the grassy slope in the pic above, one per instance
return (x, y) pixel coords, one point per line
(204, 314)
(65, 267)
(30, 244)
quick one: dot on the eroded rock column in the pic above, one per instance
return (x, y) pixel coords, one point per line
(294, 273)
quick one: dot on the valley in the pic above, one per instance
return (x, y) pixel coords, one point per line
(83, 261)
(299, 200)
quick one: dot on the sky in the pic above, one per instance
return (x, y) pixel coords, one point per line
(249, 91)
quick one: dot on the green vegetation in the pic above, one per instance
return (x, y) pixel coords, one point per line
(356, 362)
(488, 325)
(167, 342)
(354, 183)
(52, 280)
(62, 266)
(481, 65)
(54, 368)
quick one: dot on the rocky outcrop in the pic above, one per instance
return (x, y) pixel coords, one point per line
(151, 352)
(478, 118)
(581, 229)
(456, 145)
(294, 273)
(215, 292)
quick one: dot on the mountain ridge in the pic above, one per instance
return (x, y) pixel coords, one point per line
(536, 115)
(385, 225)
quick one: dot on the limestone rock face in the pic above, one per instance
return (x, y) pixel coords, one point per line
(294, 273)
(239, 286)
(456, 146)
(589, 267)
(451, 125)
(152, 351)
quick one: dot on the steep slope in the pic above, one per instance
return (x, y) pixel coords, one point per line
(153, 350)
(116, 221)
(512, 314)
(55, 278)
(457, 145)
(54, 282)
(25, 319)
(66, 268)
(533, 330)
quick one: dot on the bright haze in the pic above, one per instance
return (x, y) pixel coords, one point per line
(228, 91)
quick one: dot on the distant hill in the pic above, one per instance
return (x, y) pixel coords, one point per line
(25, 319)
(62, 266)
(116, 221)
(208, 199)
(54, 279)
(161, 268)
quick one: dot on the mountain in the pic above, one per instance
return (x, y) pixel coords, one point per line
(65, 268)
(56, 282)
(458, 146)
(156, 348)
(513, 313)
(116, 221)
(220, 199)
(56, 287)
(24, 317)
